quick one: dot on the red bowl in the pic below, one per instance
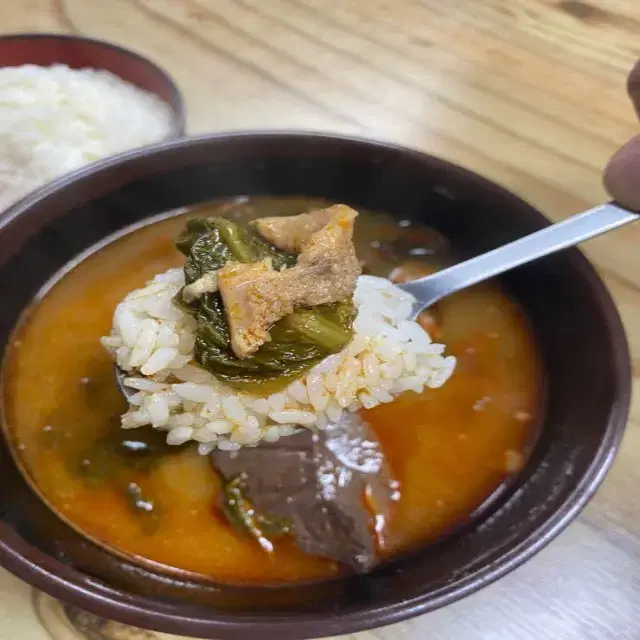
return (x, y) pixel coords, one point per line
(80, 53)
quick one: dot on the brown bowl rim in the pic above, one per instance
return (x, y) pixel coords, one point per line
(176, 101)
(55, 578)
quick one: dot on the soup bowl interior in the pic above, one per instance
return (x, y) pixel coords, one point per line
(586, 400)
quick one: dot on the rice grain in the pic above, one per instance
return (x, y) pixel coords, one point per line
(388, 356)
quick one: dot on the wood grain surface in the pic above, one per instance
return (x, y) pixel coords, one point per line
(527, 92)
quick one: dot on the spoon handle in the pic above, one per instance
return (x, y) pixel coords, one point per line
(558, 236)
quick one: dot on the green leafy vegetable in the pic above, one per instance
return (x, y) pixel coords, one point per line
(205, 251)
(117, 459)
(241, 512)
(121, 452)
(210, 243)
(144, 507)
(298, 341)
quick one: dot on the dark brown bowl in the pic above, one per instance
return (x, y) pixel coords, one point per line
(575, 322)
(45, 49)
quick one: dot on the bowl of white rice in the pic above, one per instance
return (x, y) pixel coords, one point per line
(575, 323)
(67, 101)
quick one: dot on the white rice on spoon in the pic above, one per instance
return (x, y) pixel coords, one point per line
(153, 340)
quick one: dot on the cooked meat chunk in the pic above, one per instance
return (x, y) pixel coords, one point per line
(289, 233)
(333, 487)
(255, 296)
(249, 318)
(327, 266)
(208, 283)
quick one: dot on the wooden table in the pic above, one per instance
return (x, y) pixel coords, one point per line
(527, 92)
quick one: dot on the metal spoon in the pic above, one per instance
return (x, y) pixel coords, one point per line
(561, 235)
(578, 228)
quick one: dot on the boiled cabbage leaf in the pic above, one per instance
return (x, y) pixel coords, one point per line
(298, 341)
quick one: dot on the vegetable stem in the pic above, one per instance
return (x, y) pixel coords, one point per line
(316, 328)
(235, 239)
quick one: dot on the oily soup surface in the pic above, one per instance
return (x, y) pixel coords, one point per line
(449, 448)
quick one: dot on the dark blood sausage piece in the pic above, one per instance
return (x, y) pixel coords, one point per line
(318, 482)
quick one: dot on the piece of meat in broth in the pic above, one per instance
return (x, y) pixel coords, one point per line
(334, 487)
(249, 319)
(257, 296)
(289, 233)
(327, 267)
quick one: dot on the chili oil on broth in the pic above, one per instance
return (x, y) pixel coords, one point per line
(449, 448)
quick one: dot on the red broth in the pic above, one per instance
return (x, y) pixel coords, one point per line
(449, 448)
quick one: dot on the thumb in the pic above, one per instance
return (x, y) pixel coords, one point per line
(633, 87)
(622, 175)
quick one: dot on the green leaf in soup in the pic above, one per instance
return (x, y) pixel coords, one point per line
(298, 341)
(194, 229)
(248, 247)
(120, 452)
(118, 460)
(323, 325)
(146, 508)
(241, 512)
(207, 252)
